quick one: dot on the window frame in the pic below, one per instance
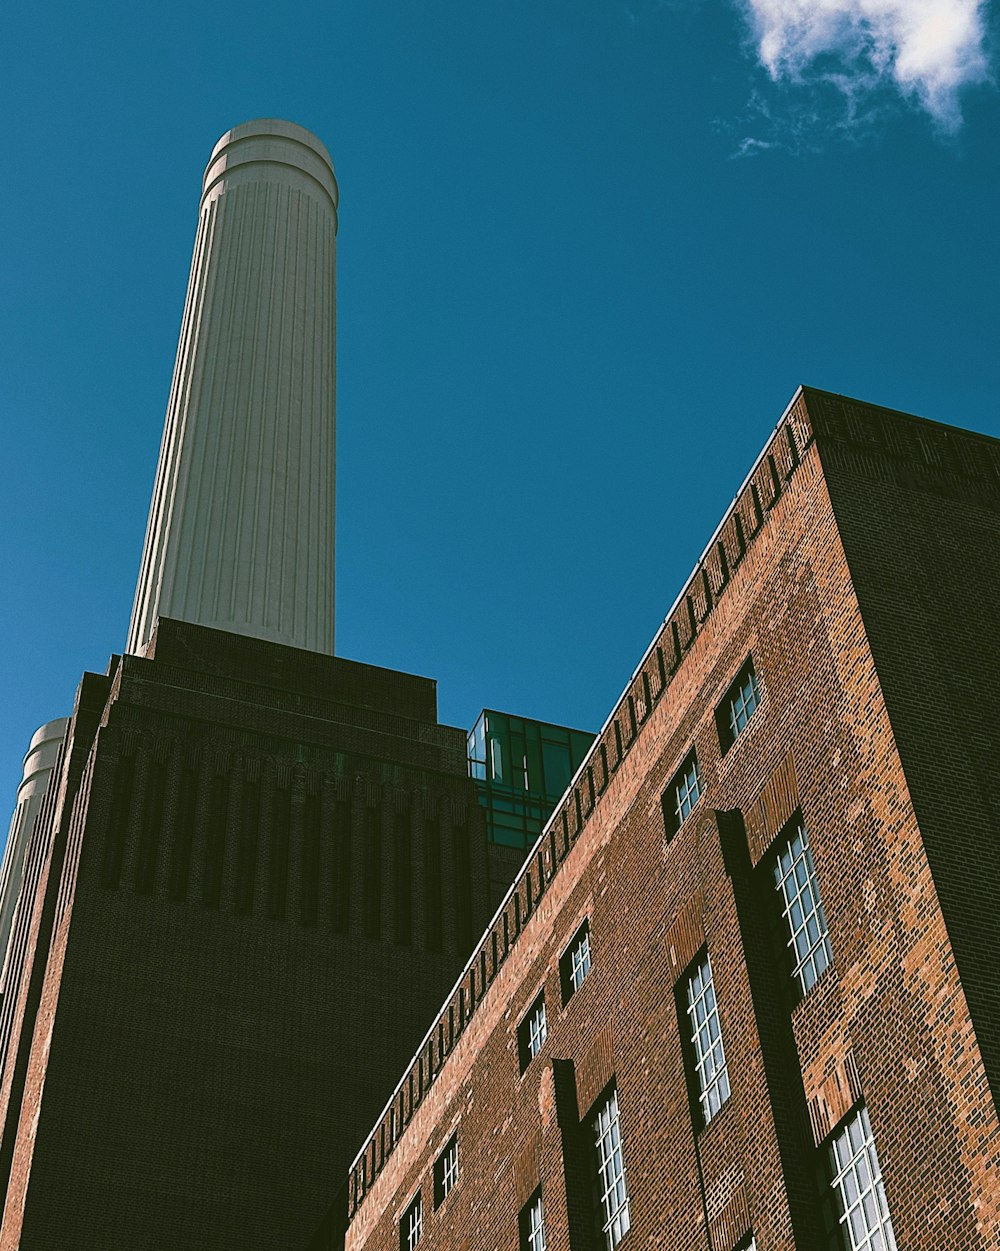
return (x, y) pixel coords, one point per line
(445, 1175)
(414, 1207)
(530, 1040)
(803, 963)
(726, 717)
(837, 1206)
(612, 1224)
(707, 1097)
(526, 1229)
(671, 800)
(568, 963)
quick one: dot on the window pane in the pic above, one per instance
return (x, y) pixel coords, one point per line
(611, 1194)
(796, 881)
(706, 1038)
(411, 1226)
(533, 1225)
(860, 1209)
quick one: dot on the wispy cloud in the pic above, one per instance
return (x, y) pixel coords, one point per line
(925, 50)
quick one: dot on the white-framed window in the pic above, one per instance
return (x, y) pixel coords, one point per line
(860, 1209)
(532, 1032)
(411, 1227)
(687, 789)
(740, 703)
(532, 1224)
(681, 795)
(579, 960)
(575, 962)
(798, 886)
(711, 1074)
(446, 1171)
(610, 1193)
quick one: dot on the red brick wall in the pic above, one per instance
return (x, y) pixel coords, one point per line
(888, 1022)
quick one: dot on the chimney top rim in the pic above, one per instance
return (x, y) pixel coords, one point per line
(273, 128)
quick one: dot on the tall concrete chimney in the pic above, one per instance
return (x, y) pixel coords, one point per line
(241, 525)
(43, 751)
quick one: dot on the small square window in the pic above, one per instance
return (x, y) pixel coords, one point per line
(531, 1224)
(681, 795)
(532, 1032)
(411, 1227)
(446, 1171)
(574, 964)
(741, 701)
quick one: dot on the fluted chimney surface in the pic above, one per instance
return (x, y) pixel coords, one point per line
(241, 525)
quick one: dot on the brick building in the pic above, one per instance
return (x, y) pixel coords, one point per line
(749, 964)
(249, 870)
(743, 991)
(259, 872)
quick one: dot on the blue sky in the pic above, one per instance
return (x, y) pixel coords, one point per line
(587, 251)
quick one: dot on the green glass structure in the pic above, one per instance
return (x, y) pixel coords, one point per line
(521, 769)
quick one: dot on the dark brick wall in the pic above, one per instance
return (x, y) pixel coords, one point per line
(888, 1022)
(918, 508)
(38, 901)
(247, 945)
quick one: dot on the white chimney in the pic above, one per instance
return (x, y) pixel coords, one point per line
(241, 525)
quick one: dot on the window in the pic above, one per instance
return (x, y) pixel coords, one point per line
(532, 1032)
(575, 962)
(609, 1192)
(681, 795)
(446, 1171)
(858, 1215)
(412, 1225)
(710, 1072)
(532, 1224)
(795, 877)
(740, 703)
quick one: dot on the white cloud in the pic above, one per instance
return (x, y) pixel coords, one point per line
(927, 49)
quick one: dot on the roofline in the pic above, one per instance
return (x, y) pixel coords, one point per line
(575, 778)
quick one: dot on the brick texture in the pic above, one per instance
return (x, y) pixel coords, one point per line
(859, 568)
(267, 870)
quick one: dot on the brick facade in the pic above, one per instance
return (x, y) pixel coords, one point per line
(264, 869)
(859, 569)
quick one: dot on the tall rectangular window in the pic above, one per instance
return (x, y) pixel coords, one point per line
(681, 795)
(860, 1213)
(532, 1224)
(532, 1032)
(446, 1171)
(797, 884)
(610, 1193)
(411, 1227)
(738, 706)
(574, 964)
(710, 1072)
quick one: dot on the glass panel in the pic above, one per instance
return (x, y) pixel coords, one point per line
(797, 883)
(556, 763)
(706, 1038)
(611, 1193)
(856, 1181)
